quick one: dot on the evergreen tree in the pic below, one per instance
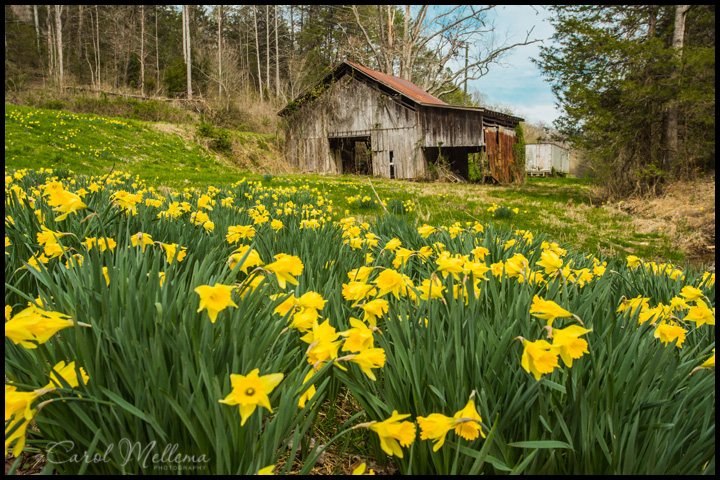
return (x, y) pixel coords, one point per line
(616, 75)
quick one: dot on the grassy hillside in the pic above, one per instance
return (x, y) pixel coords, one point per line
(175, 156)
(161, 153)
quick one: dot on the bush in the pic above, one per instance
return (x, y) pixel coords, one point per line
(219, 137)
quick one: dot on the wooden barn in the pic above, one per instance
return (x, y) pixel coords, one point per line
(358, 120)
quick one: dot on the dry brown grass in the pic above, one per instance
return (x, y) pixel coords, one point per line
(686, 212)
(336, 459)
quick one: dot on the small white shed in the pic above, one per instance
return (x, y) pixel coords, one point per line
(541, 158)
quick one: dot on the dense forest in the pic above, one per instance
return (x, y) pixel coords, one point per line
(224, 52)
(635, 83)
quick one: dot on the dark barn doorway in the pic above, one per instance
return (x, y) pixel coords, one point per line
(353, 154)
(454, 159)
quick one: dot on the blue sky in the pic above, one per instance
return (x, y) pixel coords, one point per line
(518, 84)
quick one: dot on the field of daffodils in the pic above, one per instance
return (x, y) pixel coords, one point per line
(209, 330)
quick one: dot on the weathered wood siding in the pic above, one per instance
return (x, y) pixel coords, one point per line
(353, 108)
(453, 127)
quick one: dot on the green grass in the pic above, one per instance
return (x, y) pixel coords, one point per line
(90, 144)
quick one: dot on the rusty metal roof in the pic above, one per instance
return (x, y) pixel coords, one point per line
(403, 86)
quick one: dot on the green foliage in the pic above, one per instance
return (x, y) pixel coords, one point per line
(616, 89)
(219, 137)
(502, 213)
(519, 148)
(175, 77)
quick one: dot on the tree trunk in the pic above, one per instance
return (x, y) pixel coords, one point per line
(58, 36)
(79, 33)
(257, 51)
(51, 44)
(189, 56)
(97, 47)
(277, 58)
(220, 53)
(37, 28)
(184, 39)
(142, 50)
(115, 49)
(129, 44)
(157, 54)
(671, 122)
(267, 47)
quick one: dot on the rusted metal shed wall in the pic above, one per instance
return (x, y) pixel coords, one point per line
(499, 143)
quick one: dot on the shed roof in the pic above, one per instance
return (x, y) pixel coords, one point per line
(403, 87)
(549, 143)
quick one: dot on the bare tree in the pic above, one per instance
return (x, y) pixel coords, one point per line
(37, 27)
(186, 27)
(267, 47)
(219, 14)
(671, 121)
(277, 57)
(142, 50)
(157, 54)
(97, 46)
(257, 51)
(441, 37)
(58, 37)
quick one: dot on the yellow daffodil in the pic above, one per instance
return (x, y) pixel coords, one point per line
(215, 299)
(393, 433)
(285, 268)
(251, 390)
(426, 230)
(18, 414)
(710, 362)
(68, 374)
(392, 244)
(367, 359)
(252, 260)
(468, 420)
(667, 332)
(550, 261)
(142, 239)
(548, 310)
(171, 249)
(701, 314)
(690, 293)
(539, 357)
(34, 326)
(235, 233)
(374, 309)
(633, 305)
(310, 392)
(323, 342)
(358, 338)
(390, 281)
(569, 344)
